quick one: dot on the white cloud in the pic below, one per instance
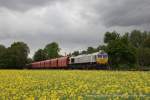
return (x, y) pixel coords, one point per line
(74, 24)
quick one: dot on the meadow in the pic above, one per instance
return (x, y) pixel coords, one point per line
(73, 85)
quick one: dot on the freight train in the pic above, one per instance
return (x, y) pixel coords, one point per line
(98, 60)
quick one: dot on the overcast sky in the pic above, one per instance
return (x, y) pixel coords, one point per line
(74, 24)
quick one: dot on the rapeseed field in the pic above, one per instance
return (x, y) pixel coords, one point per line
(73, 85)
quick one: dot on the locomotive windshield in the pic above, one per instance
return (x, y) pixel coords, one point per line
(104, 55)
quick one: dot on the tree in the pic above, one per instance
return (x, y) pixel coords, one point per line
(75, 53)
(84, 52)
(91, 50)
(144, 56)
(2, 47)
(136, 38)
(110, 36)
(139, 40)
(121, 52)
(17, 55)
(2, 54)
(101, 47)
(144, 52)
(52, 50)
(147, 42)
(40, 55)
(29, 60)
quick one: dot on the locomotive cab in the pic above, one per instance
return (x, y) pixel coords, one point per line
(102, 58)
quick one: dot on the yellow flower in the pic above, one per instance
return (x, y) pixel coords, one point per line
(80, 98)
(72, 84)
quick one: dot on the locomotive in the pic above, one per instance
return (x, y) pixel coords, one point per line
(98, 60)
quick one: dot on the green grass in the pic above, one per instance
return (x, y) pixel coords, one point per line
(73, 84)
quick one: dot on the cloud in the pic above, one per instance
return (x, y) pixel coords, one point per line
(74, 24)
(40, 26)
(125, 12)
(23, 5)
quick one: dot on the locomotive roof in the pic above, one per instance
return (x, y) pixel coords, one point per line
(96, 53)
(86, 55)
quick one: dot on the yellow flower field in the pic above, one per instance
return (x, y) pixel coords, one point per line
(73, 85)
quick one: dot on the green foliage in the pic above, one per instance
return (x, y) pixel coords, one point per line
(141, 40)
(101, 47)
(18, 55)
(137, 38)
(52, 50)
(84, 52)
(127, 50)
(88, 51)
(120, 51)
(110, 36)
(40, 55)
(144, 56)
(91, 50)
(14, 56)
(75, 53)
(29, 60)
(147, 42)
(2, 54)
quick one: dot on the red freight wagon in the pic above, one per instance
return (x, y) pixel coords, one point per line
(33, 65)
(42, 64)
(47, 64)
(38, 65)
(54, 63)
(63, 62)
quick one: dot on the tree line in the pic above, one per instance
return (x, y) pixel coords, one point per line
(128, 51)
(16, 56)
